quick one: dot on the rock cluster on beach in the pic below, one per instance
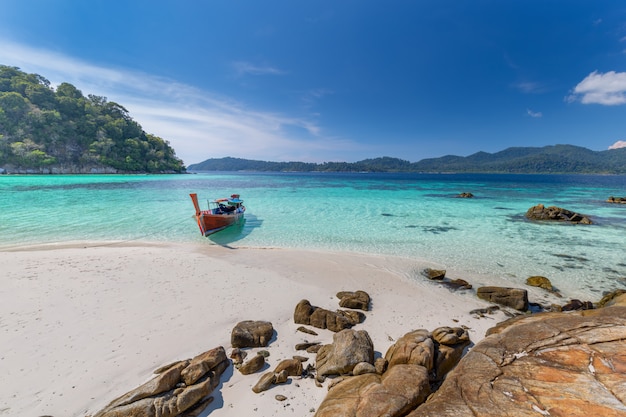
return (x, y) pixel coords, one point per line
(181, 388)
(552, 363)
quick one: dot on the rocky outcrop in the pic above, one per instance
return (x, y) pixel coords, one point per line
(179, 388)
(465, 195)
(548, 364)
(280, 374)
(396, 392)
(414, 363)
(349, 347)
(321, 318)
(251, 333)
(617, 200)
(553, 213)
(515, 298)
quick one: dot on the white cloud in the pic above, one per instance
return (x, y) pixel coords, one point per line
(198, 124)
(608, 89)
(535, 114)
(246, 68)
(529, 87)
(618, 144)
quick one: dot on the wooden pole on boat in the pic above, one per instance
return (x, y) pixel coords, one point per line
(194, 198)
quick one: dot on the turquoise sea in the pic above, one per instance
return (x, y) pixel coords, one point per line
(410, 215)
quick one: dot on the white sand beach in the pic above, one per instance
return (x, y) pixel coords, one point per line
(81, 324)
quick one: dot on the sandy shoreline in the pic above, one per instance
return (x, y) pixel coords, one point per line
(81, 324)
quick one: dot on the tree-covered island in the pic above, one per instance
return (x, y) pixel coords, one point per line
(46, 130)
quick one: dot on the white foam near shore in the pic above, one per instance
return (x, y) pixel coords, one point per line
(82, 324)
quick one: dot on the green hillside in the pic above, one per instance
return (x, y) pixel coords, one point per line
(558, 159)
(47, 130)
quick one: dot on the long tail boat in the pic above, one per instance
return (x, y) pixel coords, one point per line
(221, 213)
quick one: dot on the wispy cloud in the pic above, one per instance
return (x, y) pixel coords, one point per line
(535, 114)
(619, 144)
(247, 68)
(608, 89)
(197, 123)
(529, 87)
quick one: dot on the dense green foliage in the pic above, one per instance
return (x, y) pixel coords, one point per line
(549, 159)
(44, 128)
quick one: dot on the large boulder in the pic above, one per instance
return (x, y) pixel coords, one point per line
(553, 213)
(549, 364)
(349, 347)
(399, 390)
(414, 348)
(251, 333)
(515, 298)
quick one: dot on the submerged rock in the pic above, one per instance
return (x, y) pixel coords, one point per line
(515, 298)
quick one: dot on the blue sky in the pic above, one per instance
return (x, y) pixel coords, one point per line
(339, 80)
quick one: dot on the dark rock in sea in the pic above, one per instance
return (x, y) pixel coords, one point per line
(456, 284)
(465, 195)
(434, 274)
(575, 304)
(549, 364)
(515, 298)
(618, 200)
(553, 213)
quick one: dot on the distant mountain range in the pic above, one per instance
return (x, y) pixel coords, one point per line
(557, 159)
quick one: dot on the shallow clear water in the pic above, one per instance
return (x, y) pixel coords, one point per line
(410, 215)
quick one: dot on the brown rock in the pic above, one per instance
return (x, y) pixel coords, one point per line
(292, 366)
(265, 382)
(399, 390)
(434, 274)
(450, 335)
(358, 299)
(414, 348)
(202, 364)
(618, 200)
(306, 330)
(349, 347)
(553, 213)
(557, 364)
(167, 395)
(238, 356)
(608, 299)
(577, 305)
(251, 333)
(255, 364)
(515, 298)
(307, 314)
(539, 281)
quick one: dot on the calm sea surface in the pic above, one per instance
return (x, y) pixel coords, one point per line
(410, 215)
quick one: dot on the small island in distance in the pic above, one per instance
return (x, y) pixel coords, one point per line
(557, 159)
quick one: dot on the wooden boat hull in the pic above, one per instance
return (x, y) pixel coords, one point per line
(210, 222)
(213, 223)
